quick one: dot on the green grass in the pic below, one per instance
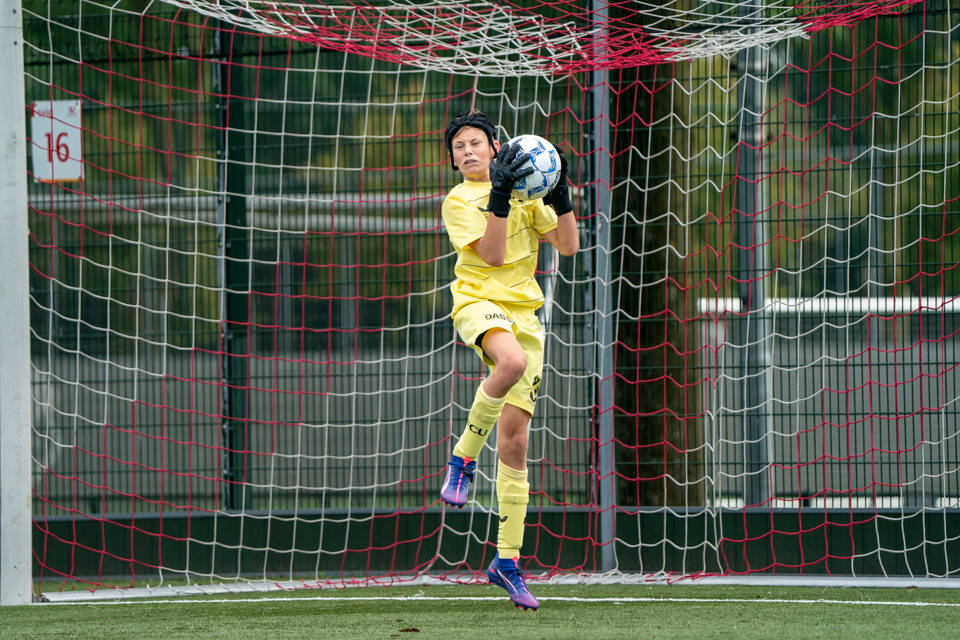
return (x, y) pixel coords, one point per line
(330, 614)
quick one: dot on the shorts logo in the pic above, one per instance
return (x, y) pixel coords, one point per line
(498, 316)
(477, 430)
(536, 389)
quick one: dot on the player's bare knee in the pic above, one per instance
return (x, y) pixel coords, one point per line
(513, 367)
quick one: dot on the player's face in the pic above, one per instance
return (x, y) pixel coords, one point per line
(472, 153)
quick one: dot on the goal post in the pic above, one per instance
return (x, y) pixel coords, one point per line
(240, 360)
(16, 406)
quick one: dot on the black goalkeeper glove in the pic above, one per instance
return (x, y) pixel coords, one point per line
(559, 198)
(504, 172)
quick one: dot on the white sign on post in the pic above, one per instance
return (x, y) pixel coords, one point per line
(56, 131)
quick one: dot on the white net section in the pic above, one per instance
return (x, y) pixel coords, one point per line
(522, 39)
(245, 367)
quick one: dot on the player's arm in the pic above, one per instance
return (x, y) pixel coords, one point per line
(492, 247)
(504, 172)
(565, 237)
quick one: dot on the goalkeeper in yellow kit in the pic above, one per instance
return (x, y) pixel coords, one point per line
(495, 298)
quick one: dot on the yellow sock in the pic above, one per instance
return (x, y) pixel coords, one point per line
(483, 415)
(513, 492)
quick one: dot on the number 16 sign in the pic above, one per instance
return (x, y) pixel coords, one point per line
(55, 132)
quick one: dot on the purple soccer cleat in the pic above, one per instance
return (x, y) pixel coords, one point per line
(459, 477)
(507, 574)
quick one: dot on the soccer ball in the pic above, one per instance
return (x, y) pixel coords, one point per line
(546, 168)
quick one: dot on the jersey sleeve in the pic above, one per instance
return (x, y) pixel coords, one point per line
(544, 219)
(464, 222)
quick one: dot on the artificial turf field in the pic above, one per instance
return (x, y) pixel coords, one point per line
(574, 611)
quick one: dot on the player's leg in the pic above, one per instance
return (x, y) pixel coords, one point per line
(481, 325)
(513, 489)
(512, 437)
(513, 494)
(509, 363)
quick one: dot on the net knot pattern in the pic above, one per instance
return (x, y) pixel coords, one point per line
(504, 39)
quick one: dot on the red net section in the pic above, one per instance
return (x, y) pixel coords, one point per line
(787, 308)
(509, 39)
(245, 367)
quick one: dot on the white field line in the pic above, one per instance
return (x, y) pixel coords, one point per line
(501, 599)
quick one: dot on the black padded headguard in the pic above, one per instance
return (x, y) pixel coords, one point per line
(473, 118)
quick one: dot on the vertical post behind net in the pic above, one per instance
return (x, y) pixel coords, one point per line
(237, 251)
(751, 232)
(16, 580)
(604, 303)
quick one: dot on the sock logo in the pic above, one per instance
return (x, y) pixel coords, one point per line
(504, 518)
(477, 430)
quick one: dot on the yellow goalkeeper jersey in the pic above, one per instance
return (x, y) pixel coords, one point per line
(465, 216)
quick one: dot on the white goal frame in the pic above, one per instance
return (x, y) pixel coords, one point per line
(16, 561)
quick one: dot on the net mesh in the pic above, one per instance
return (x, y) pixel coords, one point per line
(534, 38)
(244, 366)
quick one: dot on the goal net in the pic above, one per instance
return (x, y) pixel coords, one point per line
(244, 369)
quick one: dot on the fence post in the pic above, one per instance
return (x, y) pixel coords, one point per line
(16, 525)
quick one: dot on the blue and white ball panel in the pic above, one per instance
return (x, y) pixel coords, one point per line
(546, 165)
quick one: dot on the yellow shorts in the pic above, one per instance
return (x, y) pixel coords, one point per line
(475, 319)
